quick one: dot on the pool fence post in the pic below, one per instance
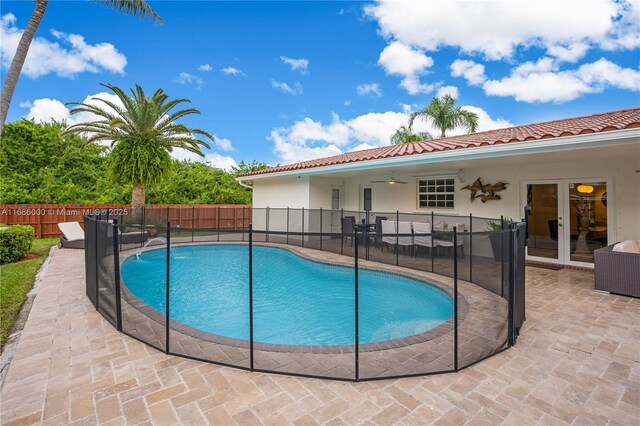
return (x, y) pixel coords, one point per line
(513, 232)
(433, 228)
(455, 298)
(287, 225)
(320, 228)
(501, 256)
(470, 247)
(302, 228)
(97, 221)
(193, 219)
(251, 297)
(168, 287)
(341, 232)
(116, 274)
(144, 226)
(397, 237)
(357, 324)
(266, 218)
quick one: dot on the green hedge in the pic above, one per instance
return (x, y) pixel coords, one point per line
(15, 242)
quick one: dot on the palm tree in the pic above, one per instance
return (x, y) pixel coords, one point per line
(445, 116)
(404, 135)
(130, 7)
(142, 132)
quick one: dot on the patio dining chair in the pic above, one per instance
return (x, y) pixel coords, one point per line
(379, 220)
(406, 240)
(348, 227)
(447, 243)
(388, 233)
(422, 237)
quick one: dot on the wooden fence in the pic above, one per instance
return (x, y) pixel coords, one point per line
(45, 217)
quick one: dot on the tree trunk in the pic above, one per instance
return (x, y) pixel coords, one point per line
(442, 135)
(11, 79)
(137, 196)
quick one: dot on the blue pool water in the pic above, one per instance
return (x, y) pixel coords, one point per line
(296, 301)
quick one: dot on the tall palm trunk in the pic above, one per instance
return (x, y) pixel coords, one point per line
(11, 80)
(137, 196)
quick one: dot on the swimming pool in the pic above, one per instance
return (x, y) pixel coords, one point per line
(296, 301)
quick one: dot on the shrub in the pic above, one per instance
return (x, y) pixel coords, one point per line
(15, 242)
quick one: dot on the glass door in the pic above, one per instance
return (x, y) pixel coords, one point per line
(588, 219)
(570, 219)
(545, 221)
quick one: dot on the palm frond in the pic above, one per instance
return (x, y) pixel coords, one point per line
(138, 8)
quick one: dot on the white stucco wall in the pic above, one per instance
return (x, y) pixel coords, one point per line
(315, 191)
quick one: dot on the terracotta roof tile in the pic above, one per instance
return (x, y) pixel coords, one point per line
(614, 120)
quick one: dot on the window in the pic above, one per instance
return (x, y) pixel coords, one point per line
(436, 193)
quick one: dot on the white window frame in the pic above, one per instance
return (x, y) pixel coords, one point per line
(435, 178)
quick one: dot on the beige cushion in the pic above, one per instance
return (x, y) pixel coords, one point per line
(629, 246)
(72, 231)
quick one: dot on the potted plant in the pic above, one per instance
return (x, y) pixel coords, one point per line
(496, 237)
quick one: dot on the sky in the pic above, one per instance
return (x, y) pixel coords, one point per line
(282, 82)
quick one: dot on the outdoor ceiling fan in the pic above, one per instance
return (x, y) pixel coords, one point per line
(390, 181)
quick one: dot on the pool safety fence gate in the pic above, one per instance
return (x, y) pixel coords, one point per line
(480, 267)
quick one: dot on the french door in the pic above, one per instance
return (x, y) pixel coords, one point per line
(570, 218)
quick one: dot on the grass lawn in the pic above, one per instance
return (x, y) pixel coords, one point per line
(16, 279)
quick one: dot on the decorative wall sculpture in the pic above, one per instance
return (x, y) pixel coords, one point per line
(486, 192)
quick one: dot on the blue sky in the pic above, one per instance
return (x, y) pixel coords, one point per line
(287, 81)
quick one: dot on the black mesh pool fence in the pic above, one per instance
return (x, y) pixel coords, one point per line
(294, 294)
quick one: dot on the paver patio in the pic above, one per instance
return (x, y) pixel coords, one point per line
(576, 362)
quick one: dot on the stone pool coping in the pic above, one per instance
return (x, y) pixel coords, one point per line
(308, 254)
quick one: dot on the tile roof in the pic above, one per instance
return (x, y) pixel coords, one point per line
(614, 120)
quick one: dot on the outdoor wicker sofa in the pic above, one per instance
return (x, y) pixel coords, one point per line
(618, 271)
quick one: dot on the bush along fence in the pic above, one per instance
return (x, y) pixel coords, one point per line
(245, 297)
(45, 217)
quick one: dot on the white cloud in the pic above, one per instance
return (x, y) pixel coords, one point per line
(347, 102)
(369, 89)
(470, 70)
(205, 68)
(308, 139)
(485, 122)
(448, 90)
(301, 64)
(602, 73)
(67, 57)
(496, 28)
(542, 82)
(46, 109)
(186, 78)
(223, 143)
(213, 159)
(400, 59)
(295, 89)
(232, 71)
(569, 52)
(220, 161)
(25, 104)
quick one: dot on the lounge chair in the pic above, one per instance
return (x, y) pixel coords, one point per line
(72, 235)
